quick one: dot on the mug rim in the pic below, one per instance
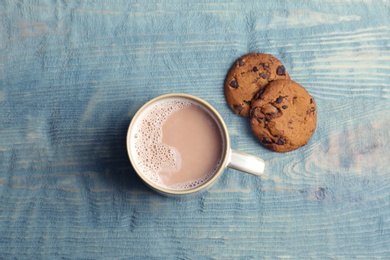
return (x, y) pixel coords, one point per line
(225, 138)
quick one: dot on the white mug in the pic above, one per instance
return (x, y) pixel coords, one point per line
(139, 142)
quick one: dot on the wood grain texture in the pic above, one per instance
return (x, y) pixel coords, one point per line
(73, 73)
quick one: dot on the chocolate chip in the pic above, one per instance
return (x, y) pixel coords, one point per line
(284, 107)
(281, 71)
(279, 100)
(261, 91)
(233, 84)
(256, 113)
(238, 109)
(260, 120)
(248, 102)
(280, 141)
(255, 69)
(265, 140)
(241, 62)
(311, 110)
(258, 94)
(270, 110)
(252, 112)
(311, 101)
(263, 75)
(264, 65)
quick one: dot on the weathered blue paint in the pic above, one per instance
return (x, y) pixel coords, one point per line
(72, 74)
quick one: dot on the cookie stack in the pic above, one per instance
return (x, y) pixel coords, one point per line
(282, 113)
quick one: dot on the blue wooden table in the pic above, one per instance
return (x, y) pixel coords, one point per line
(73, 73)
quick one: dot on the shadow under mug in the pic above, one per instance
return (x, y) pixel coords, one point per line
(229, 158)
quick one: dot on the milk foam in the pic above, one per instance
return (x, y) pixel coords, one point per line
(151, 155)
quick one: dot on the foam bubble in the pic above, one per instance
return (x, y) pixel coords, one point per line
(151, 154)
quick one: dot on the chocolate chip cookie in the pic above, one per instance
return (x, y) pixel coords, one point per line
(249, 74)
(283, 116)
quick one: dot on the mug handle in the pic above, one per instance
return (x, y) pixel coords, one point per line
(246, 163)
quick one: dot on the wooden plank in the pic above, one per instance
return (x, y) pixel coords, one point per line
(72, 75)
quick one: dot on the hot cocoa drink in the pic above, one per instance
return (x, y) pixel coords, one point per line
(177, 143)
